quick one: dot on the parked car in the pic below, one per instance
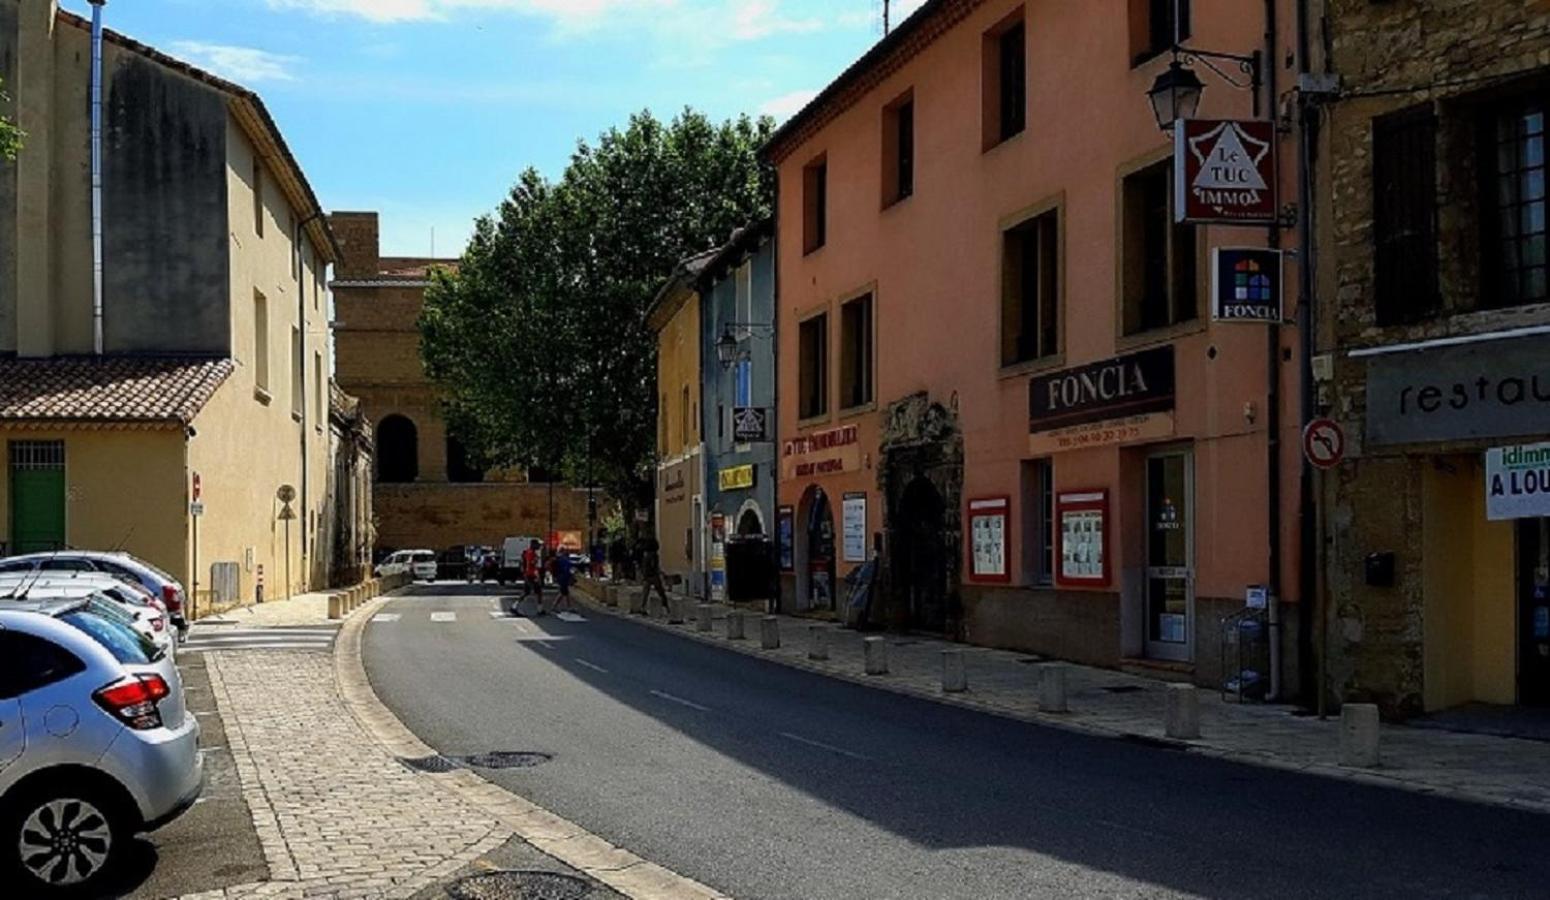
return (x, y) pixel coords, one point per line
(422, 565)
(395, 563)
(455, 563)
(72, 798)
(166, 589)
(138, 606)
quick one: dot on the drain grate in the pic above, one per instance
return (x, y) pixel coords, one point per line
(428, 764)
(519, 885)
(1124, 689)
(507, 759)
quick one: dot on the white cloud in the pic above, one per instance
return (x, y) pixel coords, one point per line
(755, 19)
(247, 65)
(567, 15)
(786, 105)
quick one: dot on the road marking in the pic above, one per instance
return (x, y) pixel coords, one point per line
(680, 701)
(206, 648)
(443, 617)
(385, 617)
(822, 746)
(569, 617)
(593, 666)
(497, 614)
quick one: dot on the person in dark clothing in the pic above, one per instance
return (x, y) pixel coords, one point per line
(651, 570)
(564, 573)
(616, 552)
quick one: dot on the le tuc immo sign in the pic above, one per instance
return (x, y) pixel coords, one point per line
(821, 453)
(1487, 389)
(1114, 401)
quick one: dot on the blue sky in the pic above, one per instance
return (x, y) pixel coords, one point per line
(426, 110)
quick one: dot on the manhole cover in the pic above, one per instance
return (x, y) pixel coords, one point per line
(429, 764)
(507, 759)
(1124, 689)
(519, 886)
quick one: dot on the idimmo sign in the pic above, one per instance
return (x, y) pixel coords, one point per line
(1517, 482)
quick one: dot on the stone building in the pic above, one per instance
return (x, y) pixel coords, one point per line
(428, 492)
(1435, 332)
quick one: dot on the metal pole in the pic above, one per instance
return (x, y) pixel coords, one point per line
(287, 559)
(193, 594)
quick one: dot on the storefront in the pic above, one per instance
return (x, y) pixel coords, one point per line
(823, 485)
(681, 521)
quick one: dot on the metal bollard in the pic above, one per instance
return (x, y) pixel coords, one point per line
(876, 650)
(735, 625)
(1052, 688)
(817, 642)
(1359, 735)
(703, 617)
(955, 679)
(769, 633)
(1181, 715)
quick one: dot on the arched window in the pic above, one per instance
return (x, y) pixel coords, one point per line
(398, 450)
(461, 469)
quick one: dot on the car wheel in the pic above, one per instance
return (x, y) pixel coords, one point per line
(64, 839)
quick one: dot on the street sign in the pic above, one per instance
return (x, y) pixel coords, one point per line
(1225, 171)
(286, 513)
(285, 494)
(1246, 284)
(1323, 442)
(196, 509)
(750, 424)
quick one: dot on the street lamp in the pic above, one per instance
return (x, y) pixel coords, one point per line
(1175, 95)
(726, 348)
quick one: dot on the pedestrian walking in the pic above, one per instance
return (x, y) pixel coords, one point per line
(616, 550)
(564, 573)
(651, 569)
(533, 574)
(599, 552)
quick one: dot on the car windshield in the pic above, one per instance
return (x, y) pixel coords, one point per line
(127, 645)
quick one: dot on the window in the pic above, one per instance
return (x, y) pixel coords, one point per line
(1004, 80)
(1159, 266)
(298, 373)
(899, 149)
(1038, 509)
(28, 663)
(815, 205)
(1155, 26)
(1404, 182)
(683, 420)
(261, 341)
(856, 352)
(1513, 214)
(1030, 289)
(398, 450)
(258, 197)
(744, 382)
(292, 238)
(66, 565)
(125, 644)
(813, 367)
(319, 400)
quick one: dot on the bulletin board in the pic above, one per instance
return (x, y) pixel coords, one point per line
(989, 539)
(1082, 536)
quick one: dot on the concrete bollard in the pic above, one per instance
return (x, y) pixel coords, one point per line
(637, 600)
(817, 642)
(336, 606)
(955, 679)
(675, 611)
(1052, 688)
(769, 633)
(735, 625)
(703, 617)
(1181, 716)
(876, 650)
(1359, 735)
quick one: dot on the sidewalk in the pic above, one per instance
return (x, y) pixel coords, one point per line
(301, 609)
(1497, 770)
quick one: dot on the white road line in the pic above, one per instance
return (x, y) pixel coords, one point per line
(569, 617)
(385, 617)
(593, 666)
(680, 701)
(200, 634)
(443, 617)
(496, 614)
(243, 647)
(822, 746)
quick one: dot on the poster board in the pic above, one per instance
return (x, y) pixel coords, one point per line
(989, 538)
(854, 522)
(1083, 537)
(785, 534)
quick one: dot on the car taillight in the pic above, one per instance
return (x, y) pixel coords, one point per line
(133, 701)
(172, 597)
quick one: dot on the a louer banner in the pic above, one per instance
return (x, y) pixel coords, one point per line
(1517, 482)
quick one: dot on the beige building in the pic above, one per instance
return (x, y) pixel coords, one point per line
(200, 359)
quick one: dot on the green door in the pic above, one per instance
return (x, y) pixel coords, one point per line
(37, 495)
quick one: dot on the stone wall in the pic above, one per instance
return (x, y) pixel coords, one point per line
(437, 516)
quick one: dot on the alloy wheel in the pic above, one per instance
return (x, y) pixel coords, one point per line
(65, 842)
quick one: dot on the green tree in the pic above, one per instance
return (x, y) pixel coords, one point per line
(10, 135)
(538, 339)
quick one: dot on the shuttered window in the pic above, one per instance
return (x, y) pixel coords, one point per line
(1404, 151)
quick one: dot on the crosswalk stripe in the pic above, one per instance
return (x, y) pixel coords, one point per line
(292, 645)
(385, 617)
(443, 617)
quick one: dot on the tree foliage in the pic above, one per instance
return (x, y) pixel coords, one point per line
(538, 339)
(10, 135)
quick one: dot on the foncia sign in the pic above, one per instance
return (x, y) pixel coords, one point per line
(1225, 171)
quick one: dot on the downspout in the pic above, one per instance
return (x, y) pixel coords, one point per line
(1273, 397)
(1310, 577)
(96, 173)
(301, 327)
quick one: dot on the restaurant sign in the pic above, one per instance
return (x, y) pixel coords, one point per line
(1459, 392)
(822, 453)
(1224, 171)
(1117, 388)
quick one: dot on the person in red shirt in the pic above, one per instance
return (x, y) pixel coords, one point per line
(533, 574)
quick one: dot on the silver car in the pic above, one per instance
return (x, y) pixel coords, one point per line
(96, 744)
(145, 616)
(166, 589)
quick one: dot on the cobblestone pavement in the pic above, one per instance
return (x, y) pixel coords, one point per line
(1482, 768)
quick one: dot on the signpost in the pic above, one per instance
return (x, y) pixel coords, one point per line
(1225, 172)
(285, 495)
(1323, 443)
(196, 509)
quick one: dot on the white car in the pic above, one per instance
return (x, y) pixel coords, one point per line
(422, 565)
(163, 587)
(139, 609)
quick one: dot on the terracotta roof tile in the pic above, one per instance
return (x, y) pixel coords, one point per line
(109, 389)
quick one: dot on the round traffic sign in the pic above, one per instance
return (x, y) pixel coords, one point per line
(1323, 442)
(198, 487)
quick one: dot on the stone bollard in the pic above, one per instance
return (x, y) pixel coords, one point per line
(735, 625)
(675, 611)
(336, 606)
(611, 596)
(637, 601)
(876, 651)
(769, 633)
(955, 679)
(817, 642)
(1181, 716)
(703, 617)
(1052, 688)
(1359, 735)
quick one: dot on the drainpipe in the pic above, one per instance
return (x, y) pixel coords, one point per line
(96, 173)
(1273, 398)
(301, 325)
(1311, 586)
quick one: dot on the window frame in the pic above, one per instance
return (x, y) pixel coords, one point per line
(815, 204)
(1129, 274)
(868, 371)
(261, 348)
(1145, 45)
(818, 318)
(1488, 147)
(1397, 303)
(995, 128)
(1052, 208)
(1037, 505)
(898, 140)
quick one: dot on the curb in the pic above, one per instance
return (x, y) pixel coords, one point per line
(566, 841)
(1063, 722)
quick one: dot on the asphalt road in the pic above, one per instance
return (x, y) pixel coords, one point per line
(764, 781)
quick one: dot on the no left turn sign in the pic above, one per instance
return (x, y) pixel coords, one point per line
(1323, 442)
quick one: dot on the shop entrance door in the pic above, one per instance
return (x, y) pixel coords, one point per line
(1170, 555)
(1534, 612)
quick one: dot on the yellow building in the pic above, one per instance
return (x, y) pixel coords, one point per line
(675, 317)
(197, 353)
